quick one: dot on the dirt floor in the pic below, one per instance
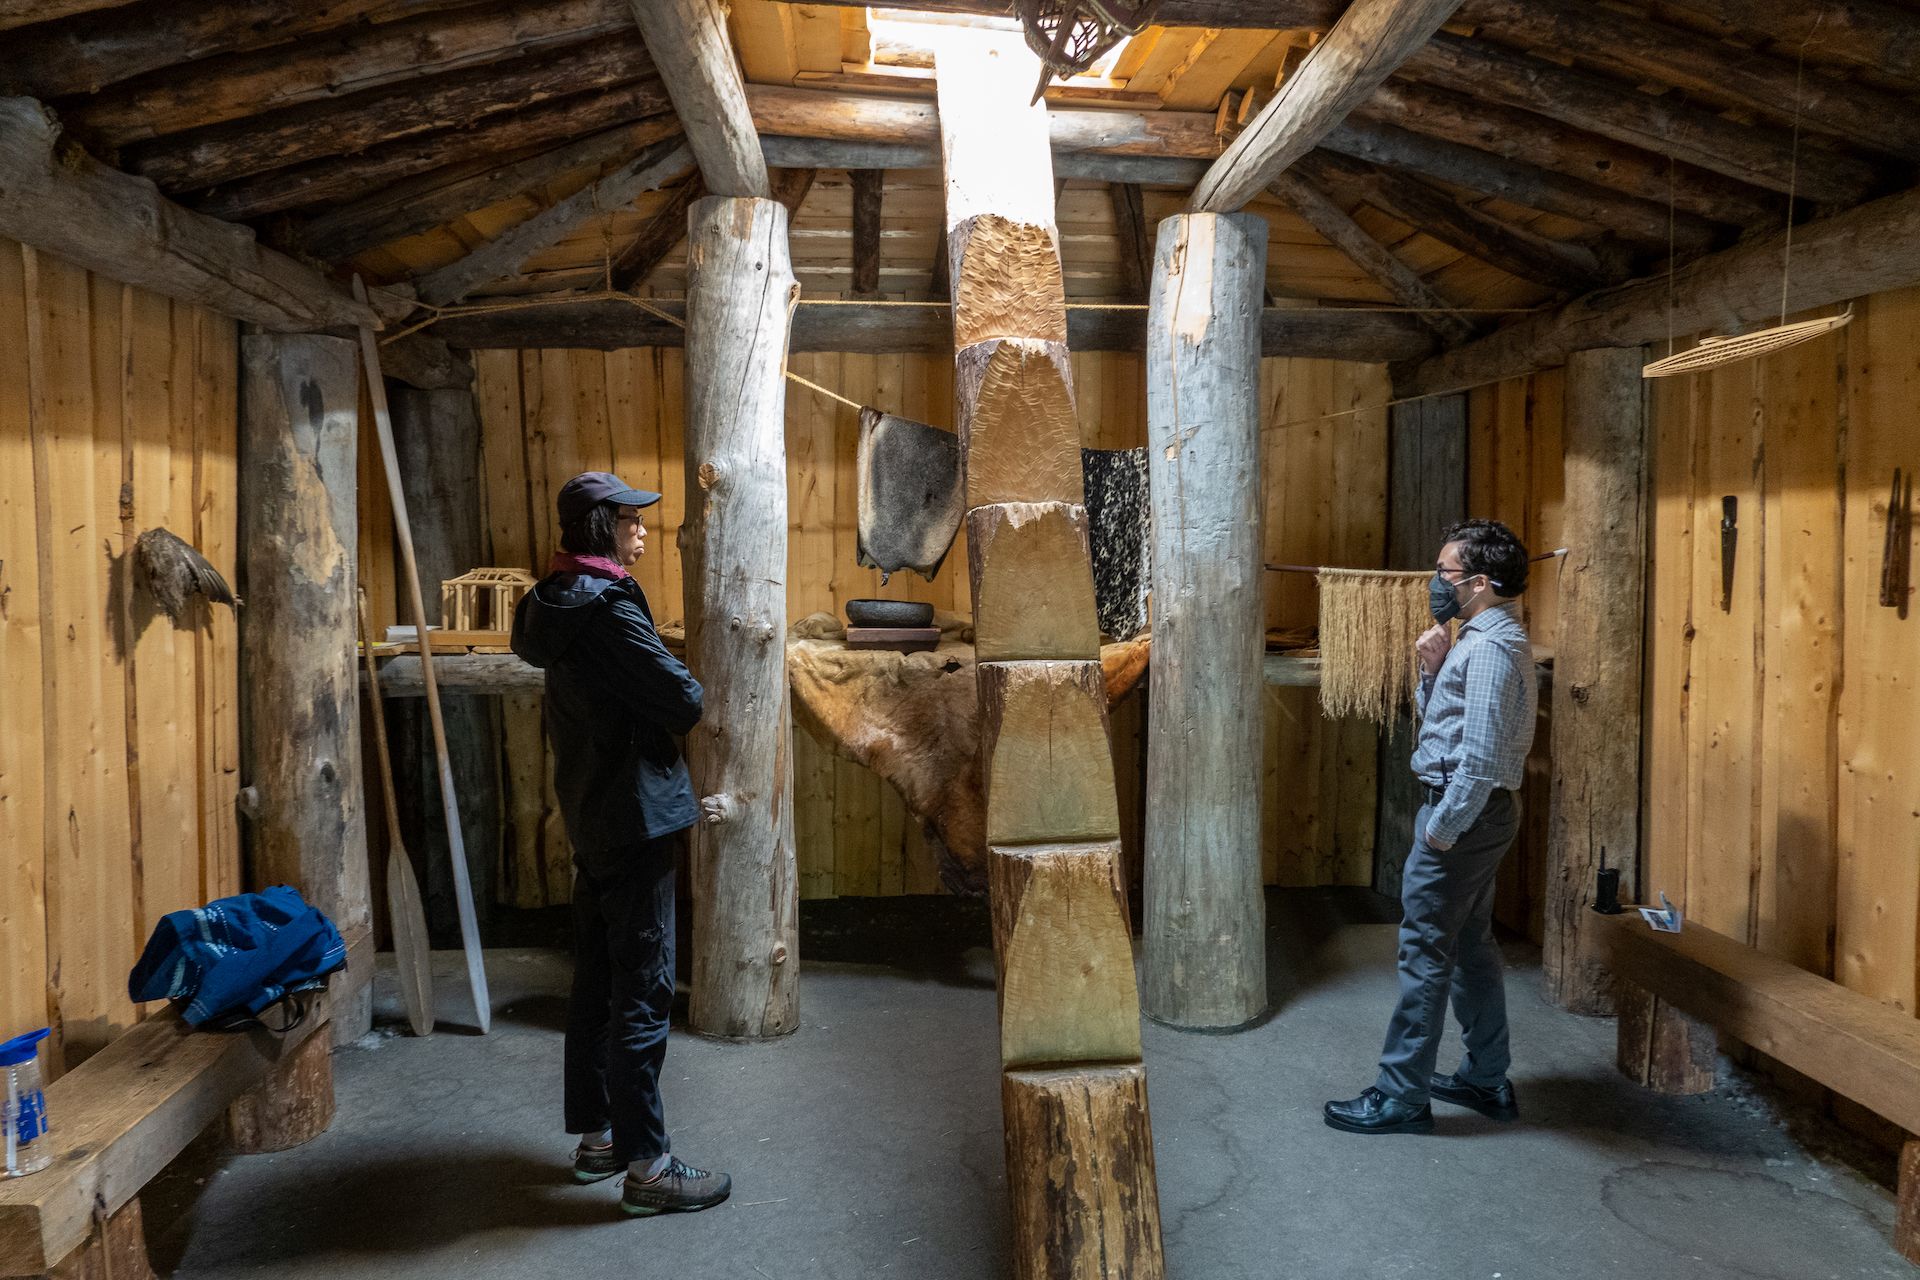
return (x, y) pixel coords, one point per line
(869, 1142)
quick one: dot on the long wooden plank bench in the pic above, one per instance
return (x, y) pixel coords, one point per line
(1677, 988)
(123, 1114)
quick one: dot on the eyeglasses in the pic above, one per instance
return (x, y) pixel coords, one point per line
(1443, 571)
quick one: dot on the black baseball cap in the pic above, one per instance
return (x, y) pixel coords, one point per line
(590, 488)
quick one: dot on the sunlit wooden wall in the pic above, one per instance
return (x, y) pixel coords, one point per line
(119, 736)
(547, 415)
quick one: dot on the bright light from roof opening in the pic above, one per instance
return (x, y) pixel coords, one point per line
(911, 28)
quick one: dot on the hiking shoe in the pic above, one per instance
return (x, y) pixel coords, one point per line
(1497, 1103)
(595, 1164)
(679, 1189)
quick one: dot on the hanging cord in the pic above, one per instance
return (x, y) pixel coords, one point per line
(1793, 168)
(1670, 252)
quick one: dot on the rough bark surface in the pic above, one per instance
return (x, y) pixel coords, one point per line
(1596, 684)
(1906, 1223)
(1205, 916)
(740, 291)
(1661, 1047)
(689, 43)
(299, 423)
(289, 1107)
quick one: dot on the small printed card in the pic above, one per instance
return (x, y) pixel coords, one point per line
(1666, 920)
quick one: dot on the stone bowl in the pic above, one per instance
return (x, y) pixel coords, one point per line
(889, 613)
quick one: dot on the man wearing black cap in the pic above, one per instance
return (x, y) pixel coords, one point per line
(615, 701)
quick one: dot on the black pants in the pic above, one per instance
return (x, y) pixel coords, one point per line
(622, 996)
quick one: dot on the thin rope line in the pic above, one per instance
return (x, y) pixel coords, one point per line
(1793, 169)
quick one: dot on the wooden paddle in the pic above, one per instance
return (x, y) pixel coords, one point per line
(411, 951)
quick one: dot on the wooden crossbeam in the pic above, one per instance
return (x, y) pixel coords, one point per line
(1867, 33)
(688, 41)
(1865, 250)
(501, 257)
(59, 199)
(668, 227)
(1368, 43)
(1319, 211)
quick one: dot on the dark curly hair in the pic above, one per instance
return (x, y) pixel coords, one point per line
(593, 533)
(1489, 547)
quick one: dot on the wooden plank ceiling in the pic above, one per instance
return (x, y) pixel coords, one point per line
(1533, 150)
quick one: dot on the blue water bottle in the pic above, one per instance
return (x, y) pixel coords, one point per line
(25, 1117)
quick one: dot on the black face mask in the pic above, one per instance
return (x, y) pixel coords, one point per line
(1441, 600)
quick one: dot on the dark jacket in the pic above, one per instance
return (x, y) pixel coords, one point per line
(615, 701)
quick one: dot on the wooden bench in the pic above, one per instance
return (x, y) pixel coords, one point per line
(123, 1114)
(1675, 989)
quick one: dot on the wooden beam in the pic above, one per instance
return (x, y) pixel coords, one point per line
(1326, 333)
(432, 199)
(1319, 211)
(60, 199)
(1638, 50)
(1515, 250)
(338, 68)
(85, 54)
(1850, 255)
(1596, 687)
(688, 41)
(662, 232)
(1136, 241)
(1368, 43)
(1868, 33)
(424, 361)
(868, 188)
(1642, 221)
(18, 13)
(341, 178)
(502, 257)
(1749, 153)
(825, 153)
(1205, 953)
(221, 153)
(1522, 135)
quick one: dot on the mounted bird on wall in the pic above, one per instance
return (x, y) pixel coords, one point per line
(173, 571)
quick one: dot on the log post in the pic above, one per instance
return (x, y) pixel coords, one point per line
(1205, 914)
(1596, 681)
(740, 295)
(117, 1249)
(1079, 1143)
(1660, 1047)
(293, 1104)
(1906, 1223)
(437, 436)
(299, 415)
(1426, 492)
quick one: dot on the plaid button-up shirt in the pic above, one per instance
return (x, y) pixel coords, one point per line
(1476, 719)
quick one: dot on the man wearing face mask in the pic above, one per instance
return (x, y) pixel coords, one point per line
(1477, 700)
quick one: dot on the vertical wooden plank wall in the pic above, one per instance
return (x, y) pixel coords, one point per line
(548, 414)
(1781, 798)
(120, 756)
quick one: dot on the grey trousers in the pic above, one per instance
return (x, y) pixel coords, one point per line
(1447, 948)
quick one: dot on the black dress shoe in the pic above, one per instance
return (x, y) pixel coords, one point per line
(1374, 1112)
(1497, 1103)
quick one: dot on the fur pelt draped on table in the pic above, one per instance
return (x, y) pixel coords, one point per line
(913, 718)
(1369, 620)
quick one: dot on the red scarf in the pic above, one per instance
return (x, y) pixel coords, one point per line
(592, 566)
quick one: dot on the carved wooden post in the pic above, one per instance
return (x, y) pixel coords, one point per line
(1596, 677)
(740, 296)
(1079, 1143)
(300, 399)
(1205, 916)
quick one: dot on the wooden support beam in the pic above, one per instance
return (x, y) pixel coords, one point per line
(1868, 33)
(1522, 135)
(939, 286)
(502, 257)
(1368, 43)
(1136, 241)
(661, 234)
(1324, 333)
(1850, 255)
(1514, 250)
(1596, 687)
(1906, 1223)
(18, 13)
(299, 410)
(424, 361)
(868, 188)
(336, 69)
(344, 177)
(1638, 50)
(1206, 935)
(294, 1104)
(63, 201)
(689, 44)
(1660, 1048)
(1749, 153)
(223, 153)
(740, 292)
(1319, 211)
(432, 199)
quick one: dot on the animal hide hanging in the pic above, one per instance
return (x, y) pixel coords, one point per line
(1369, 621)
(1118, 525)
(911, 497)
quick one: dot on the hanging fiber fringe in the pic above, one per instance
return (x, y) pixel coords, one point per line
(1369, 620)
